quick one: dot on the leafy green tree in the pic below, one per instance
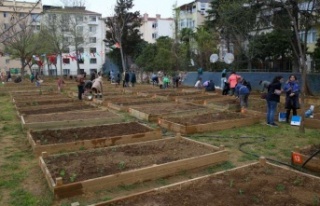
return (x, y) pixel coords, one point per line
(146, 59)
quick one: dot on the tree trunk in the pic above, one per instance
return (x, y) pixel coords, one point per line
(61, 64)
(122, 59)
(303, 89)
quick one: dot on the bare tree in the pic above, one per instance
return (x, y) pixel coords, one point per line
(74, 3)
(21, 42)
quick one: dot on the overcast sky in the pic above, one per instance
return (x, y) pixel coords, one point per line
(152, 7)
(105, 7)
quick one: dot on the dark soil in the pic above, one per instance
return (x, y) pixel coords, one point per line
(38, 97)
(205, 118)
(137, 102)
(206, 97)
(85, 115)
(254, 185)
(34, 107)
(168, 108)
(67, 108)
(107, 161)
(42, 102)
(87, 133)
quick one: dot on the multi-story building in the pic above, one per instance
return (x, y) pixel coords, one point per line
(89, 50)
(153, 28)
(192, 15)
(83, 40)
(14, 14)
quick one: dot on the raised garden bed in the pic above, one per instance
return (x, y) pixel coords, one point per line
(230, 104)
(300, 155)
(43, 102)
(24, 98)
(313, 123)
(70, 119)
(74, 173)
(206, 122)
(174, 95)
(254, 184)
(124, 105)
(56, 109)
(152, 113)
(200, 99)
(53, 141)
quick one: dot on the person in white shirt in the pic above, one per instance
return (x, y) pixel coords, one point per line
(198, 84)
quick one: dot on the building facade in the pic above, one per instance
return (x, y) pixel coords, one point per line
(10, 14)
(82, 40)
(153, 28)
(192, 15)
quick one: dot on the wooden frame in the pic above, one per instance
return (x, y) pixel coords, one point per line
(113, 118)
(297, 158)
(194, 181)
(208, 127)
(93, 142)
(132, 176)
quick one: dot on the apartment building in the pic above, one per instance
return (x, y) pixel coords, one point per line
(192, 15)
(89, 52)
(10, 13)
(83, 40)
(154, 27)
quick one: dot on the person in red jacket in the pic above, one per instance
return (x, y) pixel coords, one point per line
(233, 80)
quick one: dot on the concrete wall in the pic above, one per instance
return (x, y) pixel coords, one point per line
(254, 78)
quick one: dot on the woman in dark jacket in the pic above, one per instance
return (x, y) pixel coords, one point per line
(292, 90)
(273, 98)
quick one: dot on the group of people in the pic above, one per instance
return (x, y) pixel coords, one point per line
(241, 88)
(163, 81)
(93, 86)
(291, 89)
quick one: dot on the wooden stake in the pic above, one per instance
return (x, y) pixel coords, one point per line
(262, 161)
(59, 181)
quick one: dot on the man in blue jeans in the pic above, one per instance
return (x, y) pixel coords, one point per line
(273, 98)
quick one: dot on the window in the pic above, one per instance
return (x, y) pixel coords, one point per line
(65, 28)
(5, 26)
(65, 49)
(203, 6)
(81, 71)
(66, 71)
(93, 50)
(93, 40)
(52, 17)
(35, 27)
(93, 60)
(154, 35)
(4, 14)
(92, 18)
(67, 39)
(93, 71)
(311, 37)
(35, 17)
(79, 18)
(79, 28)
(79, 39)
(66, 60)
(81, 61)
(154, 25)
(21, 15)
(81, 49)
(93, 29)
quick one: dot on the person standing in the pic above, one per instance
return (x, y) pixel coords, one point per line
(60, 83)
(292, 90)
(80, 80)
(133, 78)
(31, 77)
(126, 79)
(273, 98)
(233, 80)
(223, 78)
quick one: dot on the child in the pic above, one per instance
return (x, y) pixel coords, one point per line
(60, 83)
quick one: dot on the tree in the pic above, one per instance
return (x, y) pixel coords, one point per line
(21, 42)
(123, 29)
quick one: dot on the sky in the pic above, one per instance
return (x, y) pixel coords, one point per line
(152, 7)
(105, 7)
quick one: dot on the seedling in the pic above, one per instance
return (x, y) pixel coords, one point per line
(241, 192)
(73, 177)
(62, 173)
(231, 183)
(121, 165)
(298, 182)
(280, 187)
